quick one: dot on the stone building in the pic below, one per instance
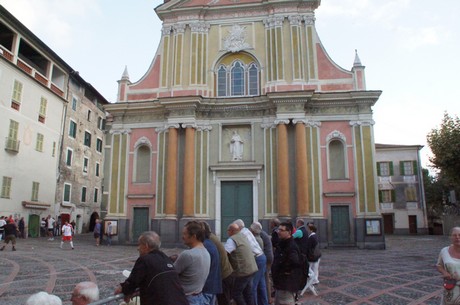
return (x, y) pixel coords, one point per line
(242, 114)
(40, 97)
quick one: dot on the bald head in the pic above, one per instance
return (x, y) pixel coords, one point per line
(240, 223)
(233, 229)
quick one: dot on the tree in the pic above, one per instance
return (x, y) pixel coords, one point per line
(445, 146)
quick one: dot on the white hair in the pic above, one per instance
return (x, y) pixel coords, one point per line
(239, 223)
(88, 290)
(256, 227)
(43, 298)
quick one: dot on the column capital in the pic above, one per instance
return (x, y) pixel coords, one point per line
(282, 121)
(204, 127)
(314, 123)
(362, 123)
(189, 125)
(303, 121)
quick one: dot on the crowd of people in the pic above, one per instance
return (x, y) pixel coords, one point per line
(249, 268)
(252, 267)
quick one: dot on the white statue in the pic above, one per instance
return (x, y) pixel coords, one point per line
(236, 147)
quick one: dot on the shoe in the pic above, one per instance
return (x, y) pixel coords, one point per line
(14, 249)
(73, 248)
(1, 249)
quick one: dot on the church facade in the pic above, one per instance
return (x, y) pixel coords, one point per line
(242, 114)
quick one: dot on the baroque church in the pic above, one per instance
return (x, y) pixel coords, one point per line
(243, 114)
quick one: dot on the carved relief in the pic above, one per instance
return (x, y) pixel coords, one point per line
(236, 39)
(336, 135)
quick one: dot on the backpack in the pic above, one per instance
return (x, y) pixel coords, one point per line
(315, 255)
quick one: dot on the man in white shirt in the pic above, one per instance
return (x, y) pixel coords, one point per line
(67, 231)
(51, 222)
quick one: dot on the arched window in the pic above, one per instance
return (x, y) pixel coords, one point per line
(337, 163)
(237, 75)
(143, 164)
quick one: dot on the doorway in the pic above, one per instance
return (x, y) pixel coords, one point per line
(140, 222)
(388, 223)
(34, 225)
(236, 203)
(412, 224)
(340, 224)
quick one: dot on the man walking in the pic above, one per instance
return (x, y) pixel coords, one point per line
(287, 267)
(10, 234)
(193, 264)
(67, 232)
(50, 222)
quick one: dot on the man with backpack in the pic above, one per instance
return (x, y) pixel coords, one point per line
(289, 269)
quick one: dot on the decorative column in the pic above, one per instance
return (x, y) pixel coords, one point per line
(283, 168)
(171, 172)
(301, 168)
(189, 169)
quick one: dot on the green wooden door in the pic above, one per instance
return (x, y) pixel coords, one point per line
(340, 222)
(34, 225)
(140, 222)
(236, 202)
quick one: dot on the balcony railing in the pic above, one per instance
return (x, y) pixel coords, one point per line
(12, 144)
(117, 300)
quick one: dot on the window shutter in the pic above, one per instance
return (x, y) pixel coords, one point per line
(401, 168)
(391, 169)
(378, 168)
(380, 196)
(393, 196)
(415, 167)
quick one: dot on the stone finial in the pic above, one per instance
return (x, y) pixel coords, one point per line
(357, 62)
(125, 75)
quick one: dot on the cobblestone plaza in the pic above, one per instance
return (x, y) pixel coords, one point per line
(403, 273)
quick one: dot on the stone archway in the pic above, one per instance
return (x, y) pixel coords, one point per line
(92, 221)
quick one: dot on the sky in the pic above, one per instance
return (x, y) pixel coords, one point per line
(410, 48)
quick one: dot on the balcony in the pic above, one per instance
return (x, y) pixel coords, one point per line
(12, 145)
(386, 206)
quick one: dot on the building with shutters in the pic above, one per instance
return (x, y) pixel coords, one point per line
(51, 138)
(401, 192)
(243, 114)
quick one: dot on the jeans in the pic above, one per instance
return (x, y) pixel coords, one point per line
(198, 299)
(210, 298)
(242, 290)
(259, 286)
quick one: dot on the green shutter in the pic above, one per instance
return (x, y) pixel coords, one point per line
(393, 196)
(391, 169)
(378, 168)
(415, 167)
(380, 196)
(401, 168)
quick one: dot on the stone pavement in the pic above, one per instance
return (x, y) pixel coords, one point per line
(404, 273)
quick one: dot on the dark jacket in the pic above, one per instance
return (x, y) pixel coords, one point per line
(302, 242)
(287, 266)
(10, 229)
(157, 280)
(312, 241)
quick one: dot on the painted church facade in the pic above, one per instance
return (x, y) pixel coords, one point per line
(242, 114)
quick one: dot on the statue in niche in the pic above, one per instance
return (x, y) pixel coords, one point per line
(236, 147)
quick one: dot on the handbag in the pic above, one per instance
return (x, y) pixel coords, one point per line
(449, 284)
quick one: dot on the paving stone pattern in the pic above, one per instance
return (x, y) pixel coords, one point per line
(403, 274)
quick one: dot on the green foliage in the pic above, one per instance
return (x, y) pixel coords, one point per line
(445, 146)
(434, 193)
